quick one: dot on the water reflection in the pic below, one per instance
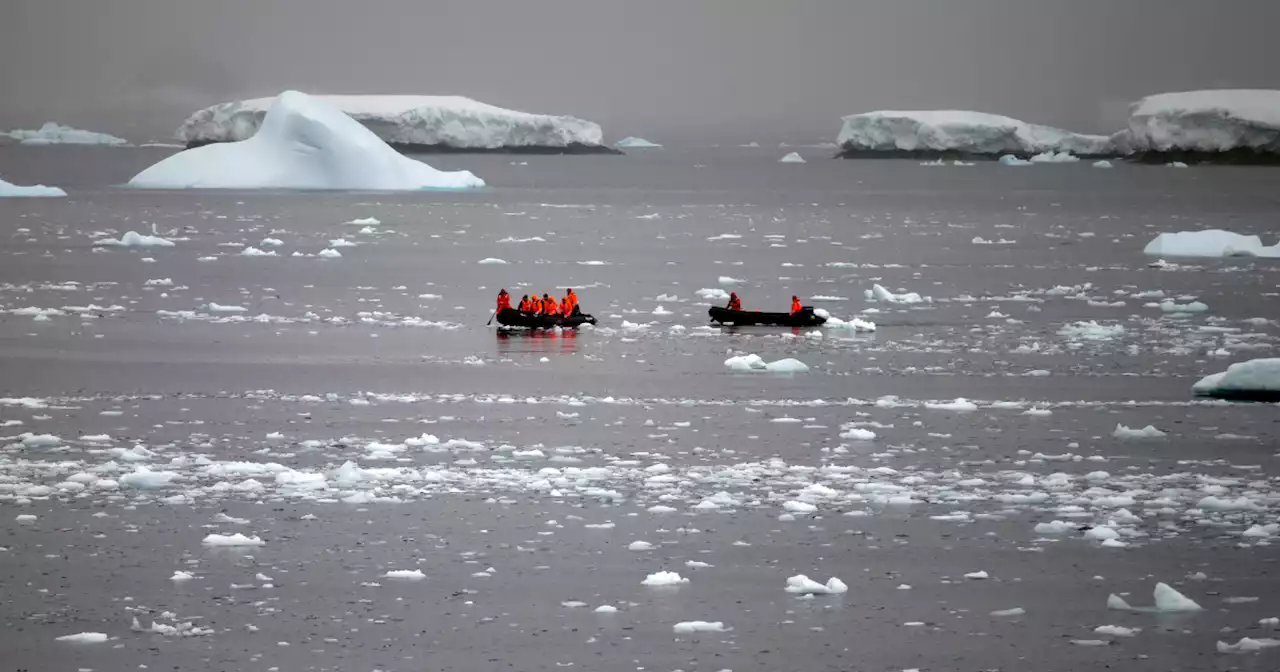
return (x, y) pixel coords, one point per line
(517, 341)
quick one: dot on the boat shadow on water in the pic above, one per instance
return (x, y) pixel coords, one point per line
(548, 341)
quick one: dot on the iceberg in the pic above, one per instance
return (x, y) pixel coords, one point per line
(1209, 243)
(931, 133)
(56, 134)
(793, 157)
(1253, 380)
(303, 143)
(8, 190)
(419, 123)
(1236, 125)
(632, 142)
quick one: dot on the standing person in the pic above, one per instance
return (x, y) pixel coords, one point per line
(573, 300)
(504, 300)
(795, 305)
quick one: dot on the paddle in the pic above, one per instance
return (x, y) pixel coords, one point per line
(495, 314)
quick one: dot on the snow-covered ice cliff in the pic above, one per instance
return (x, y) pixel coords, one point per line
(926, 133)
(442, 123)
(1225, 124)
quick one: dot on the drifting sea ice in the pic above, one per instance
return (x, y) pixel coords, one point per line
(1248, 645)
(409, 574)
(803, 585)
(879, 293)
(1255, 378)
(1091, 331)
(84, 638)
(236, 539)
(9, 190)
(686, 627)
(754, 363)
(1148, 432)
(663, 579)
(793, 157)
(135, 239)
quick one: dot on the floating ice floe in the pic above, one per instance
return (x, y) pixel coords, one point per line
(1167, 600)
(1116, 630)
(52, 133)
(255, 252)
(1212, 243)
(1016, 611)
(756, 364)
(632, 142)
(803, 585)
(1248, 645)
(1011, 160)
(1091, 331)
(410, 574)
(879, 293)
(491, 261)
(84, 638)
(236, 539)
(303, 143)
(856, 324)
(660, 579)
(960, 405)
(1055, 157)
(1257, 379)
(793, 157)
(1148, 432)
(712, 294)
(9, 190)
(135, 239)
(1170, 306)
(182, 576)
(1103, 164)
(686, 627)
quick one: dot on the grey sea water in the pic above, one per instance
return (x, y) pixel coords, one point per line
(356, 416)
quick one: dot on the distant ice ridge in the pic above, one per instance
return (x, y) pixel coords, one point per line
(303, 143)
(632, 142)
(1209, 243)
(961, 131)
(56, 134)
(1252, 379)
(453, 122)
(1208, 121)
(8, 190)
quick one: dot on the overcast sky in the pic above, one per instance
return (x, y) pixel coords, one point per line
(645, 67)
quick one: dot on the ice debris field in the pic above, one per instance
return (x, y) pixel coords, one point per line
(263, 430)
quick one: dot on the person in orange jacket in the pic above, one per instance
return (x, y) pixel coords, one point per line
(549, 305)
(566, 306)
(795, 305)
(573, 299)
(734, 303)
(504, 300)
(524, 303)
(535, 305)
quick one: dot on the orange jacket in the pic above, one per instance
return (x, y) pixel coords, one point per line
(795, 306)
(535, 305)
(549, 305)
(524, 304)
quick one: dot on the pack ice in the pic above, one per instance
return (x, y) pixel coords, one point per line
(632, 142)
(455, 122)
(961, 131)
(303, 143)
(56, 134)
(1219, 120)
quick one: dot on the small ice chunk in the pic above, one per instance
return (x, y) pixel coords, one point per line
(977, 575)
(1248, 645)
(411, 574)
(236, 539)
(1148, 432)
(1116, 630)
(663, 579)
(1170, 600)
(803, 585)
(606, 609)
(639, 546)
(182, 576)
(84, 638)
(1016, 611)
(686, 627)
